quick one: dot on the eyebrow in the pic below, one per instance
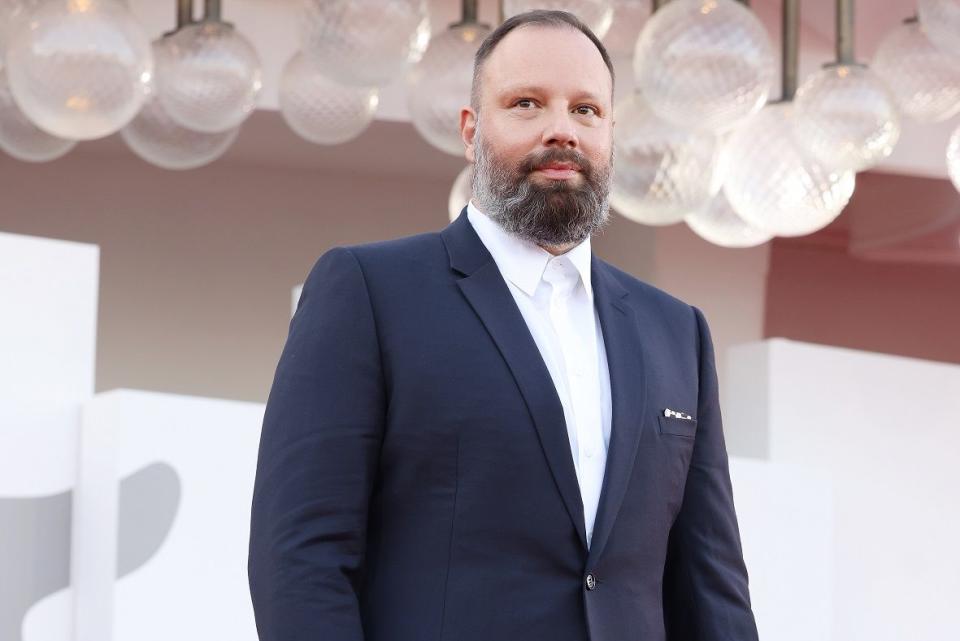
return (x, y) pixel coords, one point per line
(533, 89)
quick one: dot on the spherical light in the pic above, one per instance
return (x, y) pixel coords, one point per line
(953, 158)
(21, 138)
(629, 16)
(924, 80)
(12, 15)
(81, 69)
(439, 85)
(846, 116)
(941, 19)
(460, 193)
(775, 184)
(719, 224)
(596, 14)
(366, 43)
(704, 63)
(661, 171)
(209, 76)
(322, 110)
(160, 140)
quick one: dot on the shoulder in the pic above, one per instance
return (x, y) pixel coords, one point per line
(646, 295)
(387, 265)
(663, 318)
(395, 253)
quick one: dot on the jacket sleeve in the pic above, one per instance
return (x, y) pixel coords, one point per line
(317, 462)
(705, 592)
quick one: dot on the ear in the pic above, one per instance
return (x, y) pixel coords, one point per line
(468, 130)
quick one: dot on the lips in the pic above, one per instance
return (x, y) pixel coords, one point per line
(559, 170)
(559, 166)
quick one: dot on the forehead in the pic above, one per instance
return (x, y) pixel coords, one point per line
(559, 59)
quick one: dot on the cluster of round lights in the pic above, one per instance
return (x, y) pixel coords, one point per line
(73, 70)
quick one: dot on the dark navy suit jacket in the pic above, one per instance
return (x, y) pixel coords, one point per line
(415, 481)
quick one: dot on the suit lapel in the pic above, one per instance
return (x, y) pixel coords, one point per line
(621, 337)
(488, 294)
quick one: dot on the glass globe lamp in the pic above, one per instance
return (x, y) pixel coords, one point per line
(460, 193)
(662, 172)
(322, 110)
(704, 64)
(847, 117)
(629, 16)
(81, 69)
(775, 184)
(160, 140)
(209, 76)
(22, 139)
(941, 20)
(719, 224)
(953, 158)
(924, 80)
(12, 15)
(366, 43)
(596, 14)
(439, 85)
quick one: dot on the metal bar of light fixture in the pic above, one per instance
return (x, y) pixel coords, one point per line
(845, 32)
(468, 11)
(211, 10)
(789, 57)
(468, 14)
(501, 14)
(657, 4)
(184, 13)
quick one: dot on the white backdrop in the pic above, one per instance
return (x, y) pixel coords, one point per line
(886, 433)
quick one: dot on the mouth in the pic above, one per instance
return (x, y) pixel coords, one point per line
(559, 170)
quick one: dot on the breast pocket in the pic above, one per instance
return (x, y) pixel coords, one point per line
(672, 426)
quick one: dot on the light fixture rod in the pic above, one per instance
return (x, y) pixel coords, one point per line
(501, 13)
(211, 10)
(845, 32)
(657, 4)
(789, 58)
(468, 12)
(184, 13)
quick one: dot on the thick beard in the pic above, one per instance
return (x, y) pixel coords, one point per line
(554, 214)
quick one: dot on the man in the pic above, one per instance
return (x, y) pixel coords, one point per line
(488, 433)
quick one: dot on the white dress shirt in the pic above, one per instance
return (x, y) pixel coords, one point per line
(555, 297)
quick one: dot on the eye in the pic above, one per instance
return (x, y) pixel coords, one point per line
(522, 102)
(590, 108)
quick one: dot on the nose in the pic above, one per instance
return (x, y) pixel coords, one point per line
(560, 130)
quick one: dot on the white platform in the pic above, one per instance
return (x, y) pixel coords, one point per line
(885, 430)
(182, 532)
(48, 324)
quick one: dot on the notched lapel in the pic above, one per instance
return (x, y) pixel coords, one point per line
(485, 289)
(628, 393)
(490, 297)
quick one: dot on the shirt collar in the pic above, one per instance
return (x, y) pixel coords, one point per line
(521, 261)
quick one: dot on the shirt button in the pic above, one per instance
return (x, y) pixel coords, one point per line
(588, 452)
(591, 582)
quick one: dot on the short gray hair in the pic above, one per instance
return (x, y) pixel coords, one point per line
(539, 17)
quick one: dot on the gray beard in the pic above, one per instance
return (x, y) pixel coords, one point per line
(556, 214)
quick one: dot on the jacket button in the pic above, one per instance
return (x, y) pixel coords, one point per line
(591, 582)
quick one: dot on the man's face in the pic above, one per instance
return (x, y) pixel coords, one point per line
(543, 145)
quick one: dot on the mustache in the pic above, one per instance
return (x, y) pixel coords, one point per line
(531, 162)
